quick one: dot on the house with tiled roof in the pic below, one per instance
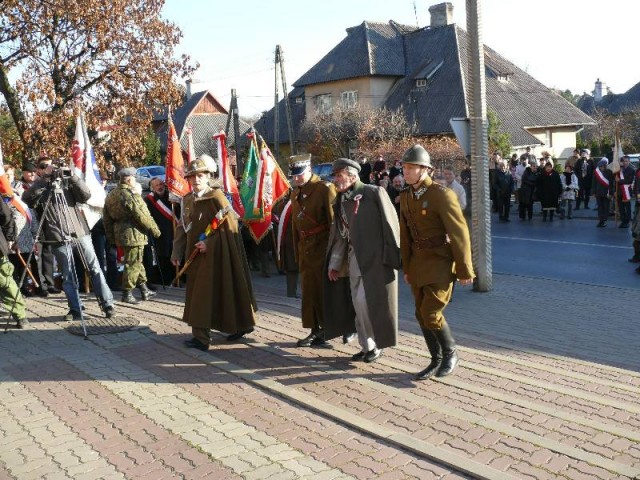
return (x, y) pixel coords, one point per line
(614, 103)
(424, 72)
(205, 116)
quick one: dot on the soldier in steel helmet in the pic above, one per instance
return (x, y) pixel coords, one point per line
(435, 248)
(311, 217)
(219, 293)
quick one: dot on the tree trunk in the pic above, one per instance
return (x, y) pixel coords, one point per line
(13, 103)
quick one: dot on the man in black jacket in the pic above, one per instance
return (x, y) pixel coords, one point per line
(624, 193)
(10, 295)
(63, 225)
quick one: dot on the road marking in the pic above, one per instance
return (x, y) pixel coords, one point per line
(562, 242)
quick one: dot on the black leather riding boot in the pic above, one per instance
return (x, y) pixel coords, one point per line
(436, 355)
(449, 355)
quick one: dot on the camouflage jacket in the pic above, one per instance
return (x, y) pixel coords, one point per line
(127, 220)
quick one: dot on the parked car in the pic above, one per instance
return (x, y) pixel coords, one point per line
(323, 170)
(145, 174)
(634, 159)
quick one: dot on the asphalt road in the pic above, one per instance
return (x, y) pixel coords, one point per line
(573, 250)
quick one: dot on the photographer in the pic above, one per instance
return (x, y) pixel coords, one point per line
(10, 295)
(64, 222)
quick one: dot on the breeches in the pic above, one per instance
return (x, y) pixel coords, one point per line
(431, 300)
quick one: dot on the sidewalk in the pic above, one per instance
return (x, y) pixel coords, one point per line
(539, 394)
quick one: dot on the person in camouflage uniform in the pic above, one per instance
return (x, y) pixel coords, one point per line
(127, 222)
(10, 295)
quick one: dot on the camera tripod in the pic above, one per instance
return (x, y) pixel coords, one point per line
(56, 198)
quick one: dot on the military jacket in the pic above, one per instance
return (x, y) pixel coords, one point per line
(127, 220)
(311, 217)
(434, 238)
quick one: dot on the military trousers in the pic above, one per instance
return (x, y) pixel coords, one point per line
(431, 300)
(10, 296)
(134, 273)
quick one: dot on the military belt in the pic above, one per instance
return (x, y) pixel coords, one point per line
(431, 242)
(313, 231)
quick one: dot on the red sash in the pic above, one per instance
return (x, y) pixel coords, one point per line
(162, 208)
(602, 180)
(626, 188)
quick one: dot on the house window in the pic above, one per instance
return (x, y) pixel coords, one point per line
(298, 99)
(323, 103)
(421, 82)
(503, 77)
(349, 99)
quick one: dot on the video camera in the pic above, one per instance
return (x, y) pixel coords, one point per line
(60, 169)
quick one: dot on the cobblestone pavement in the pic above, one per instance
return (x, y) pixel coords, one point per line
(548, 387)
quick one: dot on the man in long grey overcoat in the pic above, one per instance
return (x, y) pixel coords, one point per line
(363, 258)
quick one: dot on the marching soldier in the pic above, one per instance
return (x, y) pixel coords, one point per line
(127, 222)
(435, 248)
(311, 218)
(219, 292)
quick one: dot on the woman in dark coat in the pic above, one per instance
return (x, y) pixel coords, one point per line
(527, 192)
(549, 188)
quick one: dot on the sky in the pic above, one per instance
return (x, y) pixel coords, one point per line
(565, 44)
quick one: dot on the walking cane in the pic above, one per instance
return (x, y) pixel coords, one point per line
(24, 264)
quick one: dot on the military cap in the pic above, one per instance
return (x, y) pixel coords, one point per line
(586, 150)
(343, 163)
(127, 172)
(29, 167)
(299, 163)
(417, 155)
(202, 164)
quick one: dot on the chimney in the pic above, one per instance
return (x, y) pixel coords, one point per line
(441, 14)
(188, 83)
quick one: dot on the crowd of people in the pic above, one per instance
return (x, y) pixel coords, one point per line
(528, 180)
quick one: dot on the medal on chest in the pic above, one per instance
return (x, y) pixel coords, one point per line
(301, 213)
(424, 208)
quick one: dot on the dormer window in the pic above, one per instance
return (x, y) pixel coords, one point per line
(298, 99)
(503, 77)
(421, 82)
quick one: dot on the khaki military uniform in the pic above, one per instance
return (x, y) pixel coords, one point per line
(311, 218)
(435, 249)
(127, 222)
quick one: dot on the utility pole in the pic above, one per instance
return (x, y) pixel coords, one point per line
(279, 62)
(276, 109)
(478, 127)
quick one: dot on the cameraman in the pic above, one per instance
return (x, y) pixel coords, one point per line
(64, 222)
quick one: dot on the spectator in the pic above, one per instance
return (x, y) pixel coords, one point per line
(549, 188)
(493, 166)
(503, 187)
(465, 181)
(546, 158)
(29, 176)
(365, 171)
(623, 191)
(603, 189)
(528, 156)
(528, 190)
(397, 185)
(451, 182)
(395, 170)
(517, 178)
(569, 189)
(379, 168)
(573, 159)
(584, 168)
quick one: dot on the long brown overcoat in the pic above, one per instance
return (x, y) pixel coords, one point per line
(311, 218)
(375, 237)
(219, 292)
